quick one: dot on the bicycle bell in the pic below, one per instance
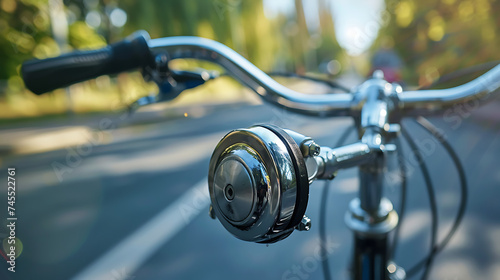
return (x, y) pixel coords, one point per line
(258, 183)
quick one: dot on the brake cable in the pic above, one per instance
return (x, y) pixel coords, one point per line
(404, 186)
(430, 192)
(322, 210)
(329, 83)
(430, 128)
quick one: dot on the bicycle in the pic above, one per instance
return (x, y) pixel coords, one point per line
(259, 176)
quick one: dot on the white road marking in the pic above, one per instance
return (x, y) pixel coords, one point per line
(135, 249)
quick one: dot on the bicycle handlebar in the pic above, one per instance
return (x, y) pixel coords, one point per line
(440, 98)
(248, 74)
(45, 75)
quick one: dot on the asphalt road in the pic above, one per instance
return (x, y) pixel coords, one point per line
(75, 206)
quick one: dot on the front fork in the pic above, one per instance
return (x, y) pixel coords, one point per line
(370, 258)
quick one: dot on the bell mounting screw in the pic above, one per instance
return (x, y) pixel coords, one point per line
(310, 148)
(305, 224)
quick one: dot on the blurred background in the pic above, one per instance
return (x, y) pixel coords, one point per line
(92, 178)
(419, 40)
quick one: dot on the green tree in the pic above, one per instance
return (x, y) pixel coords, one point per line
(435, 38)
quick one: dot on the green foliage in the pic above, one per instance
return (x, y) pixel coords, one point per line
(83, 37)
(438, 37)
(23, 24)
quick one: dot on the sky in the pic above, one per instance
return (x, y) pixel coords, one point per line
(357, 22)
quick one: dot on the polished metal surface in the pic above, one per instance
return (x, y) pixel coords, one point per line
(434, 100)
(248, 74)
(253, 184)
(313, 167)
(374, 97)
(233, 184)
(330, 160)
(373, 127)
(378, 223)
(374, 114)
(371, 181)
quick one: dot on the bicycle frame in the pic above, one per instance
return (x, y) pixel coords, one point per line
(377, 107)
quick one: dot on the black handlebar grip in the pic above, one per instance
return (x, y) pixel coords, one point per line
(45, 75)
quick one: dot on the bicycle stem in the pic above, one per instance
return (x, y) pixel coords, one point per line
(331, 160)
(370, 216)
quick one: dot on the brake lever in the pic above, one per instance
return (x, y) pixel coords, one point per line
(171, 83)
(180, 81)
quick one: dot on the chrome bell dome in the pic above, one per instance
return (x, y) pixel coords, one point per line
(258, 183)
